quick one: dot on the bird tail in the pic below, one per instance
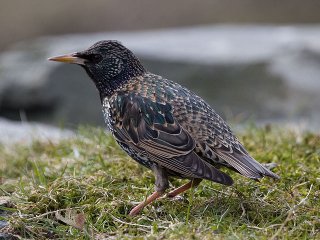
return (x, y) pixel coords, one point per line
(247, 165)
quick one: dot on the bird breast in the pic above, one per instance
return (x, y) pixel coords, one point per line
(107, 114)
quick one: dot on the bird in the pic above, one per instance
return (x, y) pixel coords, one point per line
(161, 124)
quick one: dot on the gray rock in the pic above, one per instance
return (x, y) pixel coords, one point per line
(26, 133)
(269, 73)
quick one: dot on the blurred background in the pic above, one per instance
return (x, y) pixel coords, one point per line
(253, 61)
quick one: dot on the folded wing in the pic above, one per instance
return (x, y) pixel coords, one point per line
(150, 127)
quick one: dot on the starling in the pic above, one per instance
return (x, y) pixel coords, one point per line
(161, 124)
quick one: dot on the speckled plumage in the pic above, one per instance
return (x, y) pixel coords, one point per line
(161, 124)
(163, 104)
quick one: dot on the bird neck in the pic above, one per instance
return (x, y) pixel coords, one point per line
(107, 85)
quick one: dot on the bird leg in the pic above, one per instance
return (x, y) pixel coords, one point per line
(149, 200)
(193, 183)
(161, 185)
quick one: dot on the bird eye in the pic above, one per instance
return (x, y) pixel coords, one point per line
(95, 58)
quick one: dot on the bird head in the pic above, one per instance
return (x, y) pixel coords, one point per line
(108, 63)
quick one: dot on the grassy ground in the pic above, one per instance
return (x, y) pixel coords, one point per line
(84, 188)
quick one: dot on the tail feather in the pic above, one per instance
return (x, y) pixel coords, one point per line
(247, 165)
(202, 169)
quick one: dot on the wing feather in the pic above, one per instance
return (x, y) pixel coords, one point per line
(150, 127)
(215, 139)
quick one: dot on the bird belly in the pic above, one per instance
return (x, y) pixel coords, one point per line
(138, 156)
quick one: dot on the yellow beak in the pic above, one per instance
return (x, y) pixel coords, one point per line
(68, 58)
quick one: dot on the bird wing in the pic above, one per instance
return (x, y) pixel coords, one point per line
(215, 138)
(150, 127)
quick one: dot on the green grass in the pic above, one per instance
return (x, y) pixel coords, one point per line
(84, 188)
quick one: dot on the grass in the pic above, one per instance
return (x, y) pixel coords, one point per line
(83, 188)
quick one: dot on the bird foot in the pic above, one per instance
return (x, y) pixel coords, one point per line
(137, 209)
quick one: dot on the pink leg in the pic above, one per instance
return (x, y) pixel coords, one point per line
(193, 183)
(141, 205)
